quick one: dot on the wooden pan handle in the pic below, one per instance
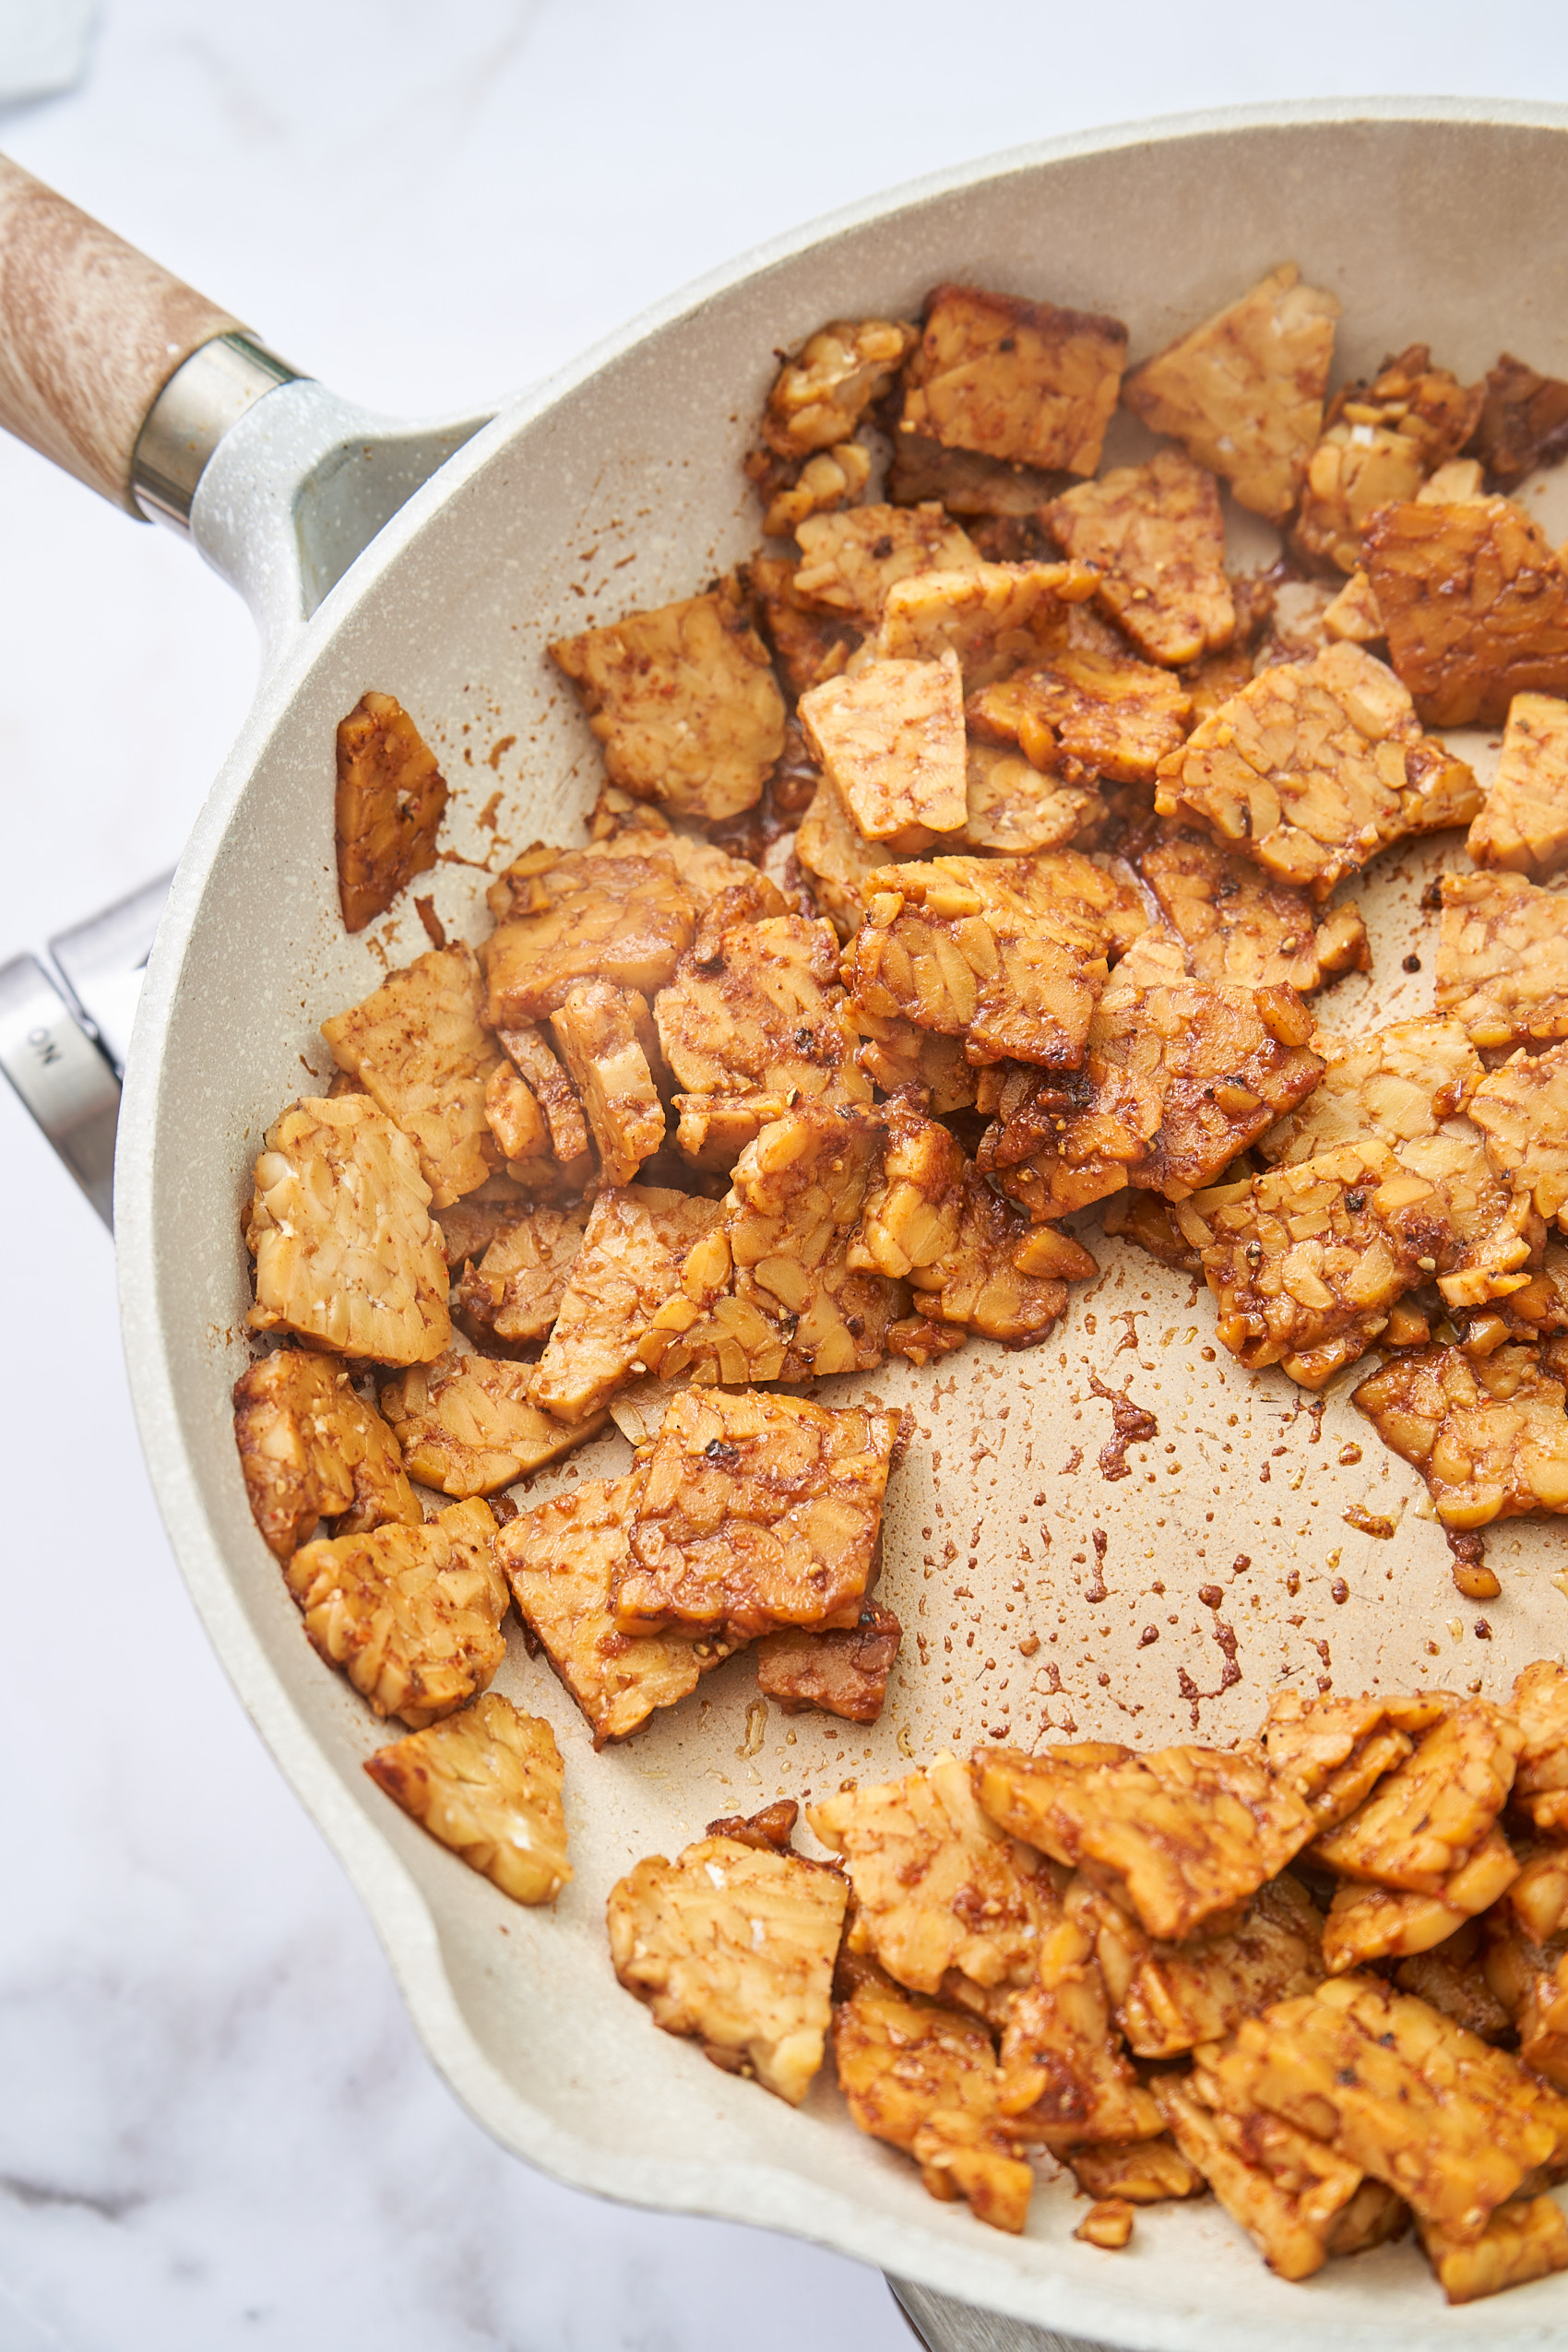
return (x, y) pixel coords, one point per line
(90, 331)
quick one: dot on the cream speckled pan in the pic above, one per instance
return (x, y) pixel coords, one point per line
(1445, 223)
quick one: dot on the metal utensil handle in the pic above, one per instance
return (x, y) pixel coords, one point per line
(90, 331)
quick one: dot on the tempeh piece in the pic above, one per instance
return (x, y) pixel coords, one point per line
(1434, 1808)
(809, 643)
(891, 739)
(1181, 1994)
(1523, 421)
(735, 1947)
(1391, 1086)
(596, 1027)
(1240, 928)
(345, 1250)
(925, 2079)
(530, 1053)
(467, 1426)
(753, 1511)
(1156, 536)
(683, 701)
(1522, 1110)
(310, 1449)
(1523, 823)
(1402, 2092)
(1475, 606)
(418, 1049)
(1175, 1837)
(1144, 2172)
(1503, 959)
(845, 1672)
(1244, 390)
(409, 1613)
(996, 619)
(1540, 1708)
(1314, 768)
(1525, 2240)
(510, 1300)
(1380, 440)
(819, 396)
(1284, 2189)
(562, 1559)
(1332, 1752)
(1086, 709)
(1065, 2078)
(1487, 1431)
(1008, 953)
(1013, 379)
(388, 812)
(629, 1263)
(837, 858)
(487, 1783)
(762, 1014)
(848, 562)
(618, 910)
(1370, 1922)
(943, 1901)
(1014, 808)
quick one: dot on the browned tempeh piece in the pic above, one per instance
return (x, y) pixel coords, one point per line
(390, 800)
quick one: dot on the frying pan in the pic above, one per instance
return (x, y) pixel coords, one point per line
(1048, 1587)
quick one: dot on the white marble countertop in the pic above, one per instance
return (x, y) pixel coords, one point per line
(216, 2127)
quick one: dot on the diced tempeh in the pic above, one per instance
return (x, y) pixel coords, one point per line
(1332, 1752)
(488, 1783)
(996, 619)
(562, 1559)
(1424, 1819)
(469, 1227)
(1476, 1232)
(1390, 1085)
(596, 1027)
(770, 1294)
(1014, 379)
(1400, 2091)
(529, 1051)
(763, 1015)
(1369, 1922)
(608, 912)
(1181, 1994)
(933, 1221)
(1107, 2224)
(310, 1449)
(1240, 928)
(1283, 2188)
(1156, 536)
(1524, 820)
(891, 739)
(1314, 768)
(819, 396)
(409, 1613)
(925, 2079)
(345, 1250)
(848, 562)
(510, 1300)
(1175, 1837)
(836, 855)
(387, 813)
(1144, 2172)
(943, 1900)
(844, 1672)
(809, 643)
(1380, 440)
(633, 1248)
(1014, 808)
(753, 1511)
(898, 1055)
(1475, 606)
(683, 701)
(1503, 959)
(1525, 2240)
(1008, 953)
(514, 1116)
(1065, 2078)
(1103, 712)
(1244, 390)
(1487, 1431)
(1536, 1903)
(1523, 421)
(1352, 616)
(1302, 1268)
(1541, 1709)
(467, 1426)
(418, 1049)
(1179, 1076)
(988, 490)
(735, 1947)
(835, 476)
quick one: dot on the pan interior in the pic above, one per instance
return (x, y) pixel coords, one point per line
(1029, 1581)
